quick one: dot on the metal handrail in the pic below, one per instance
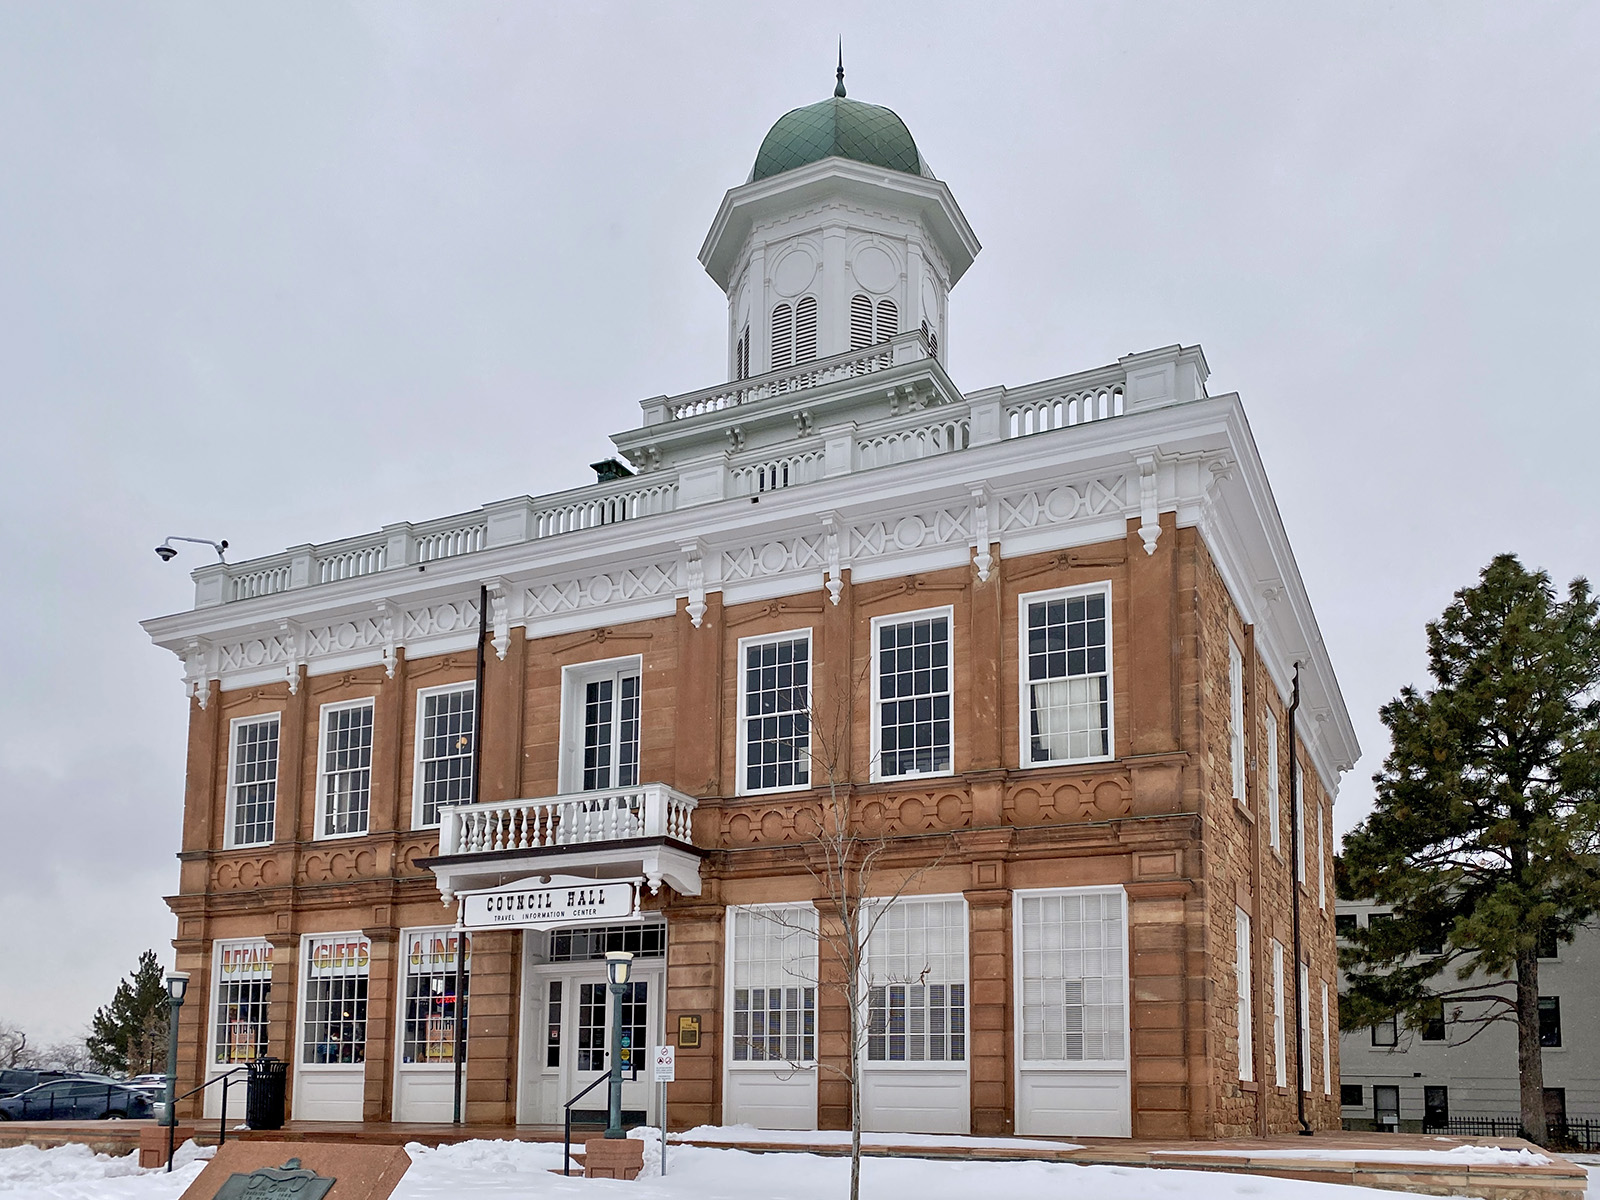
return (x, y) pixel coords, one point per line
(222, 1121)
(566, 1152)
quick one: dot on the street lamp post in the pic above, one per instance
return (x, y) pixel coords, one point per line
(177, 985)
(619, 965)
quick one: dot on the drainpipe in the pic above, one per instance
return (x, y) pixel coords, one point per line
(461, 924)
(1302, 1072)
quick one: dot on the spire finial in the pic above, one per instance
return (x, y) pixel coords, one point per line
(838, 88)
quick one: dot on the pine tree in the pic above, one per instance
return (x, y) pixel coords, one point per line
(1485, 837)
(129, 1035)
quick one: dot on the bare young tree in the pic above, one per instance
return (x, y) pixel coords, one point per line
(14, 1051)
(859, 878)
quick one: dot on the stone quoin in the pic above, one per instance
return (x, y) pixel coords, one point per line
(1044, 637)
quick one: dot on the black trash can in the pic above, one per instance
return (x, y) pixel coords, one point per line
(266, 1085)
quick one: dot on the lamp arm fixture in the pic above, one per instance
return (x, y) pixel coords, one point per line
(167, 551)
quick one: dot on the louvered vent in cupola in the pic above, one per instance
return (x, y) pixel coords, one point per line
(805, 329)
(888, 320)
(741, 355)
(861, 322)
(782, 337)
(933, 339)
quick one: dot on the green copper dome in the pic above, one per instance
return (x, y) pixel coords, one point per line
(838, 127)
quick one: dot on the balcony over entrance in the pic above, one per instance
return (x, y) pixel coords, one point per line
(619, 833)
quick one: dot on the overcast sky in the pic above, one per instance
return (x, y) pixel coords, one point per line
(283, 273)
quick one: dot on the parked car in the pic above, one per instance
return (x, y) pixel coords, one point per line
(14, 1079)
(78, 1099)
(154, 1084)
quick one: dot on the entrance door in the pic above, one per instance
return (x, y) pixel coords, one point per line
(577, 1041)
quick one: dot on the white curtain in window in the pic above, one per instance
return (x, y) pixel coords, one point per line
(1067, 719)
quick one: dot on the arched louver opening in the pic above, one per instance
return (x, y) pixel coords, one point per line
(783, 337)
(888, 320)
(933, 338)
(861, 322)
(805, 329)
(741, 355)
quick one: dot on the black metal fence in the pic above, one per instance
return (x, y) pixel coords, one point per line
(1572, 1134)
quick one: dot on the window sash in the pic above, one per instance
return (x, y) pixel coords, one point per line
(912, 694)
(253, 781)
(446, 729)
(916, 987)
(334, 1013)
(1279, 1048)
(1274, 787)
(773, 977)
(609, 716)
(241, 1001)
(1066, 676)
(1073, 976)
(428, 1014)
(1243, 993)
(774, 706)
(1236, 719)
(346, 768)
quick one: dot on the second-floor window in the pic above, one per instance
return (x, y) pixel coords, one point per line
(911, 686)
(446, 720)
(774, 708)
(1236, 718)
(253, 781)
(601, 714)
(1066, 676)
(345, 779)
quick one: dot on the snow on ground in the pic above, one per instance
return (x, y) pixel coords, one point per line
(736, 1134)
(522, 1171)
(1466, 1156)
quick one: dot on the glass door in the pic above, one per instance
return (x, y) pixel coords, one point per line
(587, 1034)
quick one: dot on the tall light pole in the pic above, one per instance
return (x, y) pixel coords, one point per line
(177, 985)
(619, 965)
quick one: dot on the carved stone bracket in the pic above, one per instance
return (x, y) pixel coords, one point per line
(1221, 469)
(290, 633)
(694, 570)
(835, 579)
(1149, 514)
(196, 671)
(981, 558)
(500, 615)
(386, 632)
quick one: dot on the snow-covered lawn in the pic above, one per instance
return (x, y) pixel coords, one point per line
(522, 1170)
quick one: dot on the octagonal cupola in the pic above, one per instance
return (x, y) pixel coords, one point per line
(840, 238)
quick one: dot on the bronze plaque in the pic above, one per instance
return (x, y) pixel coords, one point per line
(689, 1031)
(288, 1182)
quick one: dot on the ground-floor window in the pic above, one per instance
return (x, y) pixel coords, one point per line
(428, 1018)
(334, 1022)
(917, 982)
(1074, 977)
(242, 997)
(774, 974)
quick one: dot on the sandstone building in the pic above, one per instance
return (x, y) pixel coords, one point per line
(1055, 629)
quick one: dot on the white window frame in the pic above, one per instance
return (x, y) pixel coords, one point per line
(403, 975)
(1305, 1028)
(417, 782)
(1274, 783)
(1244, 1017)
(1279, 1042)
(318, 833)
(1298, 791)
(218, 949)
(230, 817)
(905, 618)
(815, 983)
(1024, 705)
(574, 679)
(1019, 982)
(741, 723)
(1322, 857)
(1327, 1045)
(1236, 730)
(303, 1013)
(964, 981)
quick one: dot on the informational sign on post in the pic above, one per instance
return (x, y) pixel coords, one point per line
(665, 1071)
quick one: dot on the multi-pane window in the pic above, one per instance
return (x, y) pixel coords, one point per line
(253, 781)
(1242, 991)
(608, 732)
(1327, 1044)
(1236, 718)
(243, 996)
(334, 1020)
(1305, 1029)
(1074, 976)
(776, 695)
(1322, 874)
(774, 979)
(591, 1031)
(635, 1025)
(552, 1013)
(1066, 677)
(1433, 1022)
(1298, 803)
(1386, 1033)
(446, 726)
(1273, 787)
(428, 1033)
(589, 943)
(917, 982)
(912, 681)
(1279, 1049)
(346, 768)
